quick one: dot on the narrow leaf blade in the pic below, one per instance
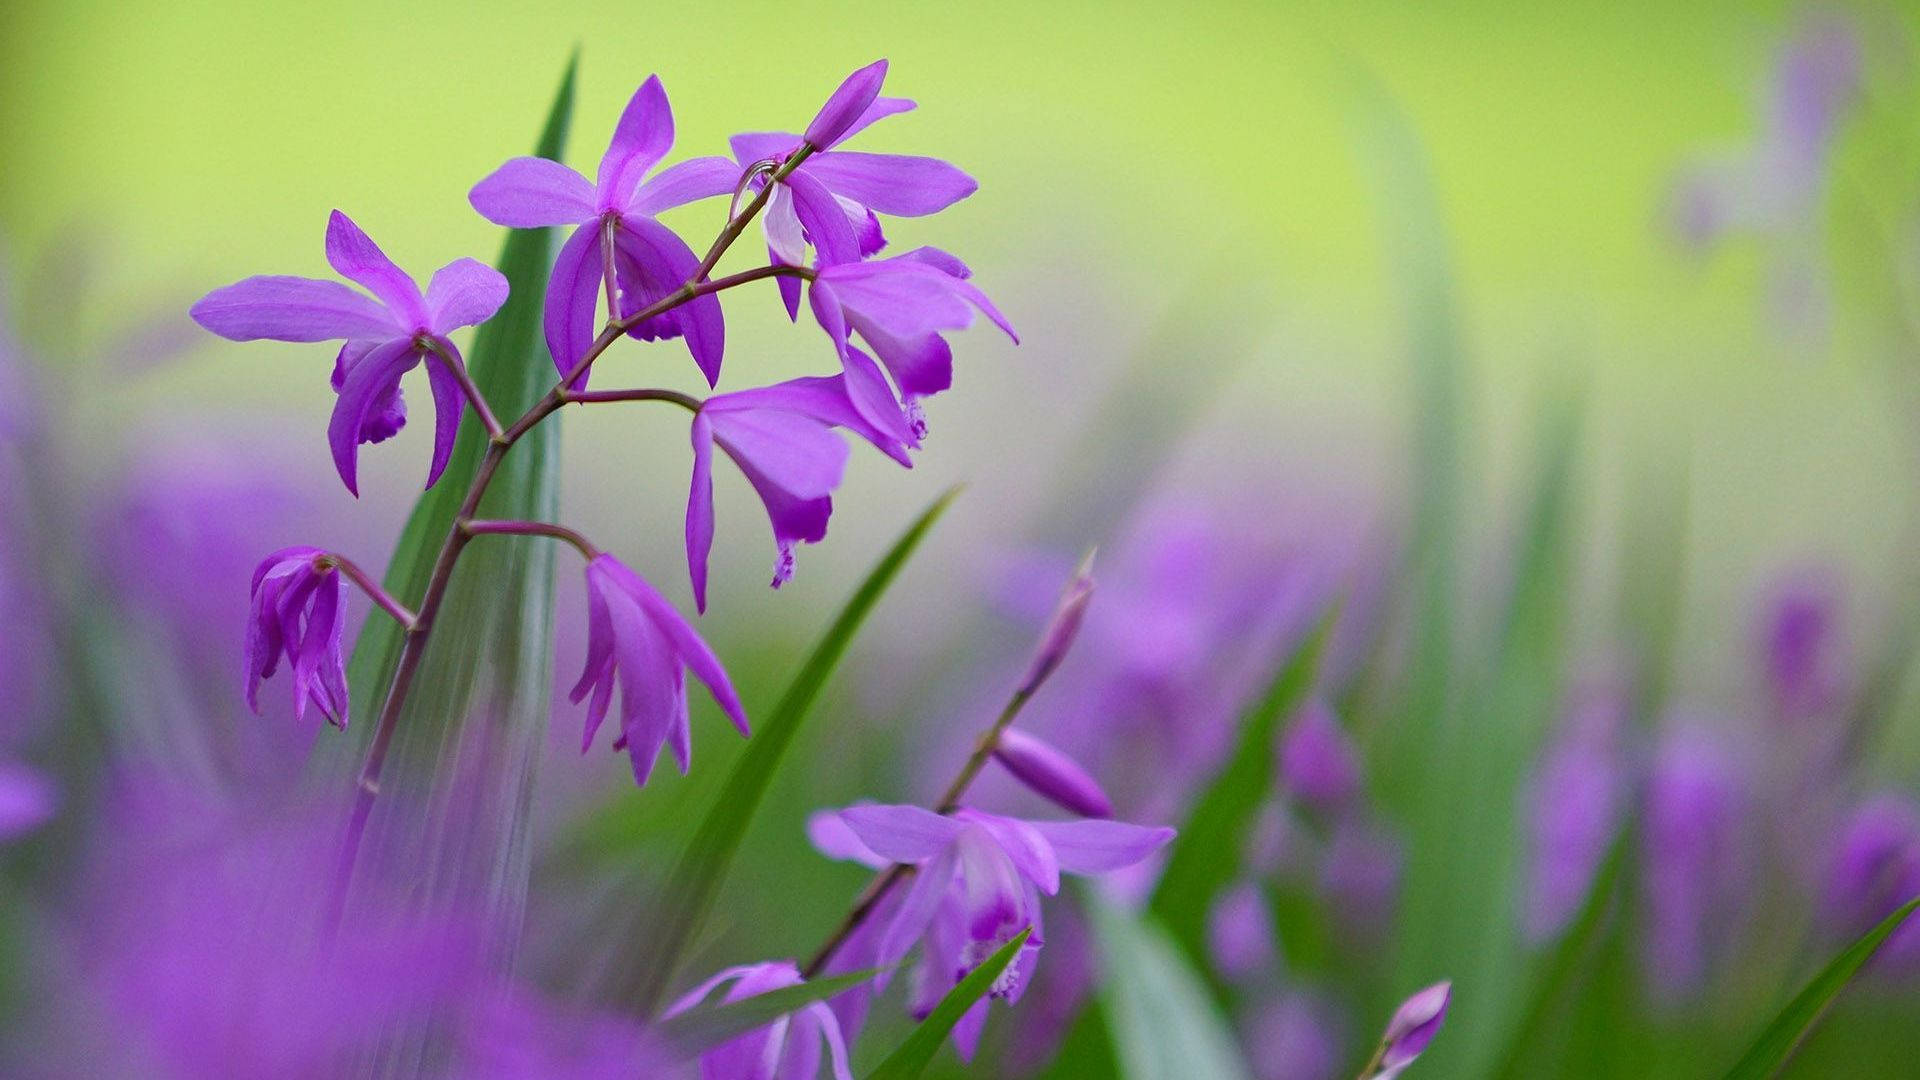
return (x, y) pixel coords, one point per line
(911, 1058)
(1159, 1010)
(710, 1025)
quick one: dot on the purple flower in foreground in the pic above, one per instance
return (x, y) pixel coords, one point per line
(1318, 761)
(649, 260)
(787, 1049)
(385, 337)
(782, 439)
(636, 636)
(1411, 1030)
(1875, 869)
(978, 885)
(1051, 774)
(899, 306)
(831, 198)
(298, 613)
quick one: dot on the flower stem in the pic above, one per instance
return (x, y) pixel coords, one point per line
(885, 881)
(534, 528)
(467, 387)
(380, 596)
(593, 397)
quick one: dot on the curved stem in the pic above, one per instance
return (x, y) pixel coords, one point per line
(534, 528)
(467, 387)
(380, 596)
(594, 397)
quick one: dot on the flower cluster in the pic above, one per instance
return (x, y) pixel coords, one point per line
(819, 206)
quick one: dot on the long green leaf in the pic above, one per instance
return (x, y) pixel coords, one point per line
(710, 1025)
(1789, 1029)
(1159, 1011)
(1200, 865)
(674, 921)
(459, 775)
(911, 1058)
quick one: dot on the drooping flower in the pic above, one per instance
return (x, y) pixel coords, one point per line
(648, 259)
(787, 1049)
(635, 636)
(830, 200)
(298, 613)
(1318, 762)
(782, 439)
(899, 306)
(978, 882)
(1411, 1030)
(1051, 774)
(384, 337)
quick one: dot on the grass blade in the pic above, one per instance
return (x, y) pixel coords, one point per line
(710, 1025)
(1159, 1010)
(1789, 1029)
(675, 919)
(911, 1058)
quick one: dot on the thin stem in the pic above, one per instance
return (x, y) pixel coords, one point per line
(609, 225)
(534, 528)
(414, 647)
(884, 882)
(375, 592)
(593, 397)
(467, 387)
(737, 224)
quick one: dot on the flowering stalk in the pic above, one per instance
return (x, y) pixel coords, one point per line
(374, 590)
(500, 441)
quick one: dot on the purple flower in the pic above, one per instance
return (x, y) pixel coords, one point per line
(1051, 774)
(649, 260)
(384, 337)
(297, 612)
(1695, 864)
(830, 199)
(1573, 803)
(787, 1049)
(1799, 643)
(1293, 1037)
(1318, 762)
(1240, 933)
(1875, 869)
(899, 306)
(635, 635)
(978, 884)
(1412, 1029)
(782, 439)
(27, 799)
(1062, 627)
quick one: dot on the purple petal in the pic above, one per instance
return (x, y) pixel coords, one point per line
(389, 412)
(685, 640)
(1030, 852)
(846, 106)
(656, 262)
(356, 257)
(529, 192)
(640, 140)
(652, 687)
(27, 799)
(1414, 1025)
(871, 396)
(881, 108)
(373, 379)
(700, 509)
(796, 452)
(833, 837)
(916, 910)
(281, 308)
(597, 673)
(465, 292)
(1051, 774)
(449, 402)
(898, 184)
(906, 834)
(689, 181)
(751, 146)
(824, 220)
(572, 295)
(1096, 846)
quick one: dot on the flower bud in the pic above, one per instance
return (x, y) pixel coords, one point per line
(1317, 759)
(1240, 933)
(1051, 773)
(1411, 1030)
(1061, 628)
(849, 100)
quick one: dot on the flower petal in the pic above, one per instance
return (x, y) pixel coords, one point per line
(1095, 846)
(367, 382)
(868, 390)
(282, 308)
(572, 294)
(354, 255)
(655, 261)
(846, 105)
(899, 184)
(685, 640)
(677, 185)
(798, 453)
(529, 192)
(700, 509)
(881, 108)
(833, 837)
(640, 140)
(826, 223)
(465, 292)
(903, 833)
(449, 403)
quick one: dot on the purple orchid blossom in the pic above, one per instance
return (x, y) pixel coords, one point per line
(787, 1049)
(298, 613)
(782, 439)
(648, 259)
(899, 306)
(978, 885)
(385, 335)
(830, 200)
(636, 637)
(1411, 1030)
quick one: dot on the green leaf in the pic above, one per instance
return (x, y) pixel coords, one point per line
(1158, 1009)
(911, 1058)
(710, 1025)
(675, 919)
(459, 775)
(1201, 863)
(1788, 1030)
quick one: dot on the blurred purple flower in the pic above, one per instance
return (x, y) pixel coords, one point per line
(1360, 875)
(1051, 774)
(1695, 862)
(1799, 644)
(782, 439)
(1293, 1037)
(636, 637)
(1318, 761)
(1240, 937)
(1572, 807)
(1875, 868)
(831, 198)
(27, 799)
(385, 337)
(649, 260)
(518, 1036)
(787, 1049)
(297, 613)
(1411, 1030)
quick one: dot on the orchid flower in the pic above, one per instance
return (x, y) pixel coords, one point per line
(787, 1049)
(297, 613)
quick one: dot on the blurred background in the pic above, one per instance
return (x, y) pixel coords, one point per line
(1567, 353)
